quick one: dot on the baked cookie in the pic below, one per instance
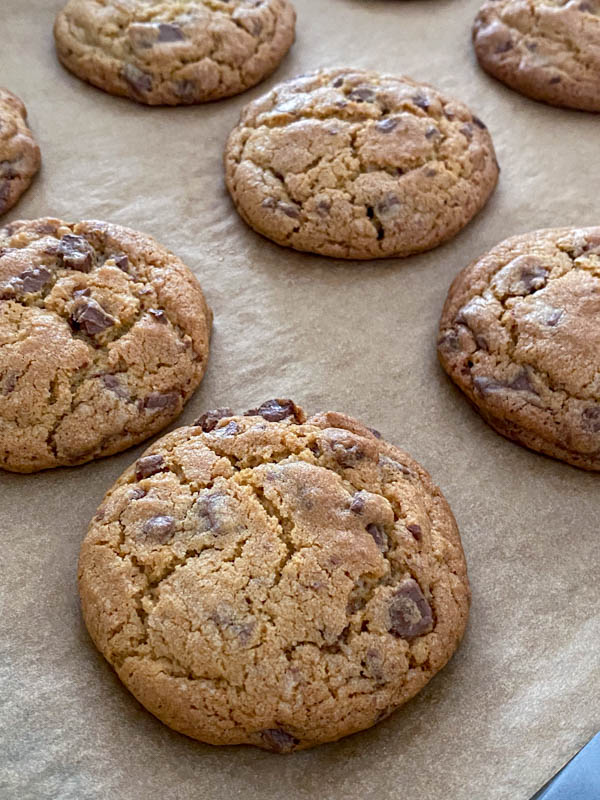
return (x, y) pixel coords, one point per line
(103, 337)
(520, 335)
(353, 164)
(19, 153)
(545, 49)
(267, 580)
(172, 52)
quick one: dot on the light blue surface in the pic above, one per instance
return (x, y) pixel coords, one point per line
(580, 779)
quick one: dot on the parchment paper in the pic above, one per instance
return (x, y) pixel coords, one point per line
(521, 695)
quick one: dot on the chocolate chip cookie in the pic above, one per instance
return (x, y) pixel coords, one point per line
(104, 335)
(520, 335)
(19, 153)
(172, 52)
(268, 580)
(545, 49)
(354, 164)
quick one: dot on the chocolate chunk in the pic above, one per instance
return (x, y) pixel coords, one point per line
(159, 400)
(534, 276)
(139, 81)
(269, 202)
(90, 317)
(324, 207)
(214, 511)
(479, 123)
(149, 465)
(410, 613)
(430, 173)
(137, 493)
(159, 529)
(358, 503)
(554, 316)
(169, 32)
(346, 453)
(338, 82)
(209, 419)
(521, 383)
(122, 262)
(362, 94)
(416, 531)
(289, 210)
(186, 88)
(114, 384)
(504, 47)
(276, 410)
(467, 130)
(81, 293)
(555, 79)
(387, 125)
(591, 419)
(431, 132)
(75, 252)
(158, 315)
(389, 206)
(278, 740)
(8, 383)
(378, 533)
(449, 341)
(421, 101)
(34, 279)
(227, 430)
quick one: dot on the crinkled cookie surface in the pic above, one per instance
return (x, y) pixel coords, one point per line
(355, 164)
(546, 49)
(177, 52)
(520, 335)
(19, 154)
(268, 580)
(104, 335)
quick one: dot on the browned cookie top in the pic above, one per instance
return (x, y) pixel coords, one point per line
(103, 337)
(174, 51)
(19, 154)
(265, 580)
(546, 49)
(520, 334)
(354, 164)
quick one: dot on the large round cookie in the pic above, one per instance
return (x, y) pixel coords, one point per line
(265, 580)
(103, 337)
(545, 49)
(520, 335)
(19, 153)
(174, 52)
(354, 164)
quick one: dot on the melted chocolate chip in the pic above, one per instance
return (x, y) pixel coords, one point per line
(591, 419)
(338, 82)
(479, 123)
(362, 94)
(158, 315)
(137, 493)
(467, 130)
(231, 429)
(209, 419)
(347, 454)
(504, 47)
(149, 465)
(387, 125)
(416, 531)
(521, 383)
(159, 529)
(269, 202)
(8, 383)
(431, 132)
(289, 210)
(275, 410)
(421, 101)
(159, 400)
(214, 513)
(323, 207)
(278, 740)
(75, 252)
(555, 79)
(139, 81)
(358, 503)
(115, 386)
(378, 534)
(389, 205)
(410, 613)
(169, 32)
(90, 317)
